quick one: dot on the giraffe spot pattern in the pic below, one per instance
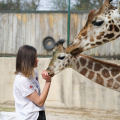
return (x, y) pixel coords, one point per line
(110, 27)
(68, 61)
(112, 21)
(118, 36)
(116, 28)
(118, 78)
(66, 65)
(98, 37)
(102, 33)
(91, 39)
(105, 73)
(91, 75)
(116, 86)
(114, 72)
(74, 60)
(83, 61)
(87, 44)
(110, 82)
(85, 37)
(99, 79)
(83, 71)
(84, 33)
(90, 64)
(78, 65)
(98, 43)
(104, 40)
(92, 44)
(109, 35)
(97, 67)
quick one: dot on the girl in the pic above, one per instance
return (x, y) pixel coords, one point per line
(29, 101)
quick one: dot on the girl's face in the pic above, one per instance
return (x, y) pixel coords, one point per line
(36, 60)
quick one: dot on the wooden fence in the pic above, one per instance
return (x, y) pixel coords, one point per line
(17, 29)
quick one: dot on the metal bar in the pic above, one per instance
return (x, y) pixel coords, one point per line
(39, 56)
(19, 11)
(48, 56)
(68, 28)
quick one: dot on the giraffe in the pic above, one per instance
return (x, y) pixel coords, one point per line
(100, 72)
(102, 26)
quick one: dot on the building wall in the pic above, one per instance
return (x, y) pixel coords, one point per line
(69, 89)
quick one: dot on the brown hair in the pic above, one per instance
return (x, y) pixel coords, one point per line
(25, 60)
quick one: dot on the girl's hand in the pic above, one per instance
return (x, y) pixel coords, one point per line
(46, 76)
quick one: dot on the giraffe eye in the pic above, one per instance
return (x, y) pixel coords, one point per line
(99, 23)
(61, 57)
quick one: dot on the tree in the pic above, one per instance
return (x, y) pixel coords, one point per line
(60, 4)
(19, 5)
(87, 4)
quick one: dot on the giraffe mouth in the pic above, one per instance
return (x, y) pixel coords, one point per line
(51, 75)
(76, 51)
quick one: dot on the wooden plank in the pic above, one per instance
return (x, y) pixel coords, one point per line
(10, 34)
(19, 30)
(72, 28)
(64, 29)
(32, 30)
(15, 28)
(42, 34)
(49, 29)
(111, 48)
(23, 31)
(27, 29)
(1, 33)
(117, 47)
(5, 36)
(50, 24)
(79, 24)
(37, 33)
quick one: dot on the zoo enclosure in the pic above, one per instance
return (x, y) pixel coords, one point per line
(31, 27)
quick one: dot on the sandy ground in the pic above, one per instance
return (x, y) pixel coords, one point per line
(69, 114)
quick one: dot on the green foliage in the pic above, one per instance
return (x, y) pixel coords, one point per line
(77, 4)
(19, 5)
(60, 4)
(87, 4)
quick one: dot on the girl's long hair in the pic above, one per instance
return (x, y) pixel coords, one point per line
(25, 60)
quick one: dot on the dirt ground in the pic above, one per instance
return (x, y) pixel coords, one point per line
(65, 114)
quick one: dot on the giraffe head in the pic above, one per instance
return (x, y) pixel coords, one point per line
(60, 60)
(102, 26)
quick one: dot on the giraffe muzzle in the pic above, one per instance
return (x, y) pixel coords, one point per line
(51, 75)
(76, 51)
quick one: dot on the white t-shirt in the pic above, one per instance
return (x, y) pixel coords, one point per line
(26, 109)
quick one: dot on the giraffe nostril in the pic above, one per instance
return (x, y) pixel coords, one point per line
(48, 73)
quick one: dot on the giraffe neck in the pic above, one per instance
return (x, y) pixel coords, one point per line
(103, 73)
